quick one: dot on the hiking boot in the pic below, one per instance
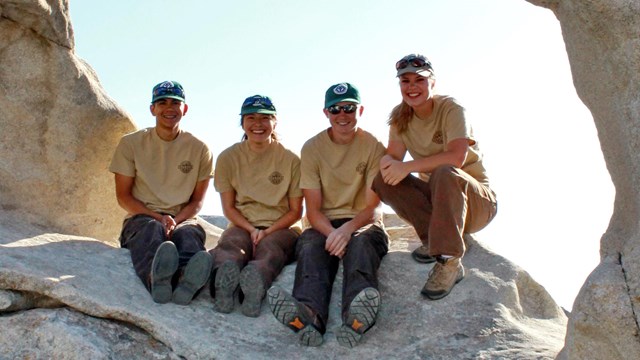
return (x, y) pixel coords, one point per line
(361, 316)
(195, 275)
(421, 255)
(310, 336)
(226, 283)
(444, 275)
(252, 287)
(164, 265)
(293, 315)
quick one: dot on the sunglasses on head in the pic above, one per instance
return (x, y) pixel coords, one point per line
(414, 61)
(161, 91)
(348, 109)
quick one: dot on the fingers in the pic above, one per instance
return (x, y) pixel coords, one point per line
(169, 224)
(257, 235)
(336, 244)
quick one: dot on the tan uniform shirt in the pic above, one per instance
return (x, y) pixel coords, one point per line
(342, 172)
(165, 172)
(263, 182)
(426, 137)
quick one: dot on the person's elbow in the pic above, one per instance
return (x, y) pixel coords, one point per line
(123, 200)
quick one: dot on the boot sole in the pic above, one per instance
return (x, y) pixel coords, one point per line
(347, 337)
(164, 265)
(226, 283)
(286, 309)
(252, 287)
(195, 275)
(363, 310)
(310, 336)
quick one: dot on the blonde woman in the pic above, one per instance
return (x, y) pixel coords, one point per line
(451, 196)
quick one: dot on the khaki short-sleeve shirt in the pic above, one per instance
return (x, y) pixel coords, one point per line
(342, 172)
(426, 137)
(165, 172)
(263, 182)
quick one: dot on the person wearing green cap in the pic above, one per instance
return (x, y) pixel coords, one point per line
(338, 166)
(259, 184)
(161, 175)
(452, 195)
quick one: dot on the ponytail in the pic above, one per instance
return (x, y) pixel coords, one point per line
(400, 116)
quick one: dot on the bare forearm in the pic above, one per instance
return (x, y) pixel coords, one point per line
(284, 222)
(428, 164)
(191, 210)
(236, 217)
(363, 218)
(134, 206)
(320, 222)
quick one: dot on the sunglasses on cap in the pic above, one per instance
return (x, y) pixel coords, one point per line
(348, 109)
(418, 61)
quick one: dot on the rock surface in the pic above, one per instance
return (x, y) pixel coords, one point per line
(603, 44)
(58, 127)
(88, 303)
(496, 312)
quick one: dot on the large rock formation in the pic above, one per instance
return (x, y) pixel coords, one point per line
(58, 127)
(603, 44)
(90, 304)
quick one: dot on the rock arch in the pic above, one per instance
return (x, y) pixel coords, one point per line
(603, 45)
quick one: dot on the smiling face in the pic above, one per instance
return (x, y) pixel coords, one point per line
(259, 127)
(344, 125)
(417, 90)
(168, 113)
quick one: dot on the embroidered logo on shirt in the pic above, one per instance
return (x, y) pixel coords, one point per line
(185, 166)
(361, 167)
(438, 138)
(276, 178)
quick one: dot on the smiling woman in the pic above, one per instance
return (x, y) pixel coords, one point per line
(259, 184)
(504, 60)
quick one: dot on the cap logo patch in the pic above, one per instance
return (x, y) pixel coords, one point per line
(185, 166)
(340, 89)
(166, 84)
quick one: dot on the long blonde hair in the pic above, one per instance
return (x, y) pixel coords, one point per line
(400, 116)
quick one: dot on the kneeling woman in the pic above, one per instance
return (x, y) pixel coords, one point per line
(452, 195)
(258, 181)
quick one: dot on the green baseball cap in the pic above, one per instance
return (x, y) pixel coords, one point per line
(167, 90)
(341, 92)
(257, 104)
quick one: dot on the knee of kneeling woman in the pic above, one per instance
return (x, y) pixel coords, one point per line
(443, 171)
(378, 185)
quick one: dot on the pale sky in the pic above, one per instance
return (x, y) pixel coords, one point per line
(504, 60)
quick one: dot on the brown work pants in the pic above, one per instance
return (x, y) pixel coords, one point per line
(273, 252)
(441, 210)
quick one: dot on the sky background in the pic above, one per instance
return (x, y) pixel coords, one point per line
(504, 60)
